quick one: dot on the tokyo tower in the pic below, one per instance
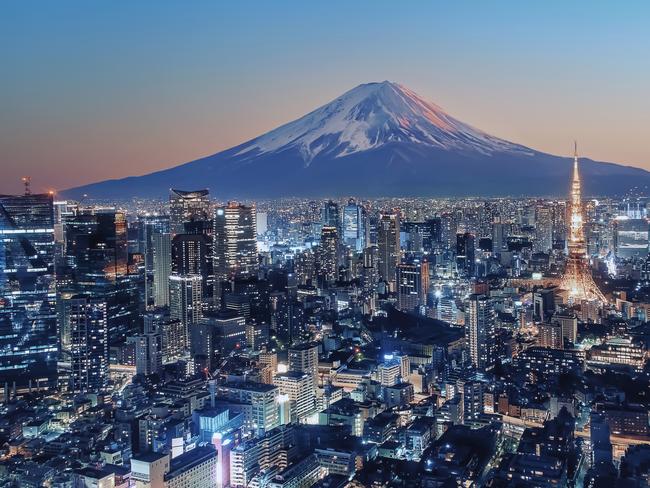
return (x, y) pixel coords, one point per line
(577, 279)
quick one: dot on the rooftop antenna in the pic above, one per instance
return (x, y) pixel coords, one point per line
(27, 181)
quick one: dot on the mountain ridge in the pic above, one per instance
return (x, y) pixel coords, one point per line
(377, 139)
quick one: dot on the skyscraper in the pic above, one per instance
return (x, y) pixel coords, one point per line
(389, 247)
(412, 285)
(480, 333)
(235, 244)
(28, 331)
(190, 255)
(187, 206)
(148, 226)
(354, 232)
(331, 216)
(185, 302)
(88, 344)
(303, 358)
(162, 268)
(465, 253)
(328, 258)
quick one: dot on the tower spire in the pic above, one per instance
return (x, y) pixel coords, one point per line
(577, 279)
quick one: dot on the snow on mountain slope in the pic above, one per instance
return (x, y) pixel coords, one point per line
(370, 116)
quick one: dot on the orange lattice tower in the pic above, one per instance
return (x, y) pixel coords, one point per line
(577, 279)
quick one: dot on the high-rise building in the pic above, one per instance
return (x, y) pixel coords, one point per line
(148, 225)
(631, 238)
(88, 344)
(466, 253)
(500, 233)
(354, 231)
(543, 229)
(328, 258)
(298, 389)
(389, 247)
(185, 301)
(190, 255)
(187, 206)
(235, 244)
(479, 330)
(303, 358)
(331, 216)
(148, 352)
(96, 263)
(263, 414)
(28, 320)
(161, 244)
(412, 285)
(550, 335)
(569, 324)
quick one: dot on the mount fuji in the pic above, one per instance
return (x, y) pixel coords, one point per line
(378, 139)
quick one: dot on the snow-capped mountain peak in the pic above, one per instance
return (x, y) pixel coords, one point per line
(370, 116)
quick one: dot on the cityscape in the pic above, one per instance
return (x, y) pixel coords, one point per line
(375, 294)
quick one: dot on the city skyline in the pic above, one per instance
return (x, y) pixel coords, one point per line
(82, 107)
(411, 253)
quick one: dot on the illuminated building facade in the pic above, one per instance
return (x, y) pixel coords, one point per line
(28, 322)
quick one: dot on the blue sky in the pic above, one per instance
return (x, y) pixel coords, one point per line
(93, 90)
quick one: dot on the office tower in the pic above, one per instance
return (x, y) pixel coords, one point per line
(550, 335)
(304, 267)
(63, 210)
(412, 285)
(389, 373)
(328, 259)
(88, 344)
(433, 234)
(543, 229)
(28, 321)
(500, 233)
(96, 263)
(262, 414)
(148, 352)
(466, 253)
(370, 268)
(449, 226)
(173, 338)
(261, 224)
(331, 216)
(235, 244)
(187, 206)
(577, 279)
(303, 358)
(569, 324)
(96, 245)
(388, 247)
(631, 238)
(354, 226)
(162, 268)
(148, 225)
(190, 255)
(185, 301)
(298, 389)
(479, 331)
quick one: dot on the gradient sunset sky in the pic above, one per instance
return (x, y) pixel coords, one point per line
(92, 90)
